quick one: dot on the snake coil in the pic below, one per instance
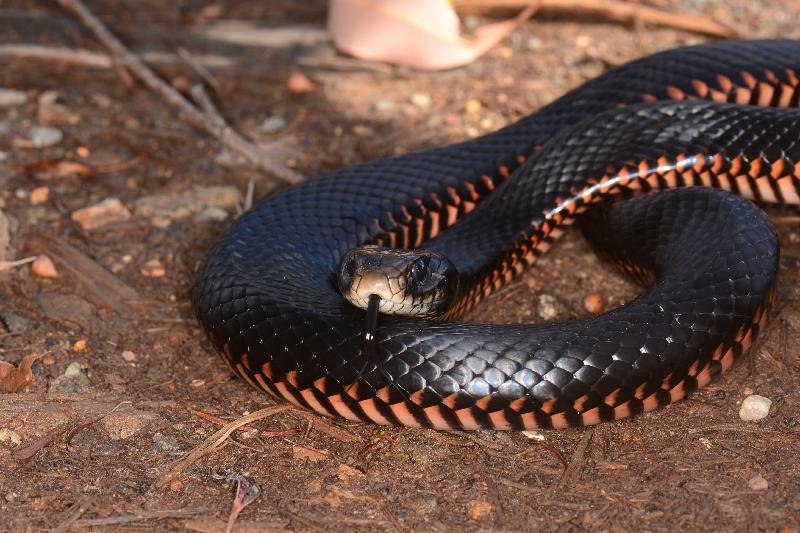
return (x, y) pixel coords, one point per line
(719, 116)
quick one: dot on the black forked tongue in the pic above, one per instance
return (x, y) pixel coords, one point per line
(369, 342)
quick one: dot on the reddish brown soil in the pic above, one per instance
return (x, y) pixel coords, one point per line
(689, 466)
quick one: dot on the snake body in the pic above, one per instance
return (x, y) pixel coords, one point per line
(721, 116)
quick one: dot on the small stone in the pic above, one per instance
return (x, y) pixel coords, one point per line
(346, 473)
(16, 323)
(212, 214)
(310, 454)
(166, 444)
(535, 435)
(79, 345)
(758, 482)
(421, 100)
(153, 269)
(176, 485)
(473, 106)
(121, 425)
(39, 195)
(72, 380)
(383, 105)
(594, 303)
(272, 125)
(705, 442)
(44, 136)
(754, 408)
(48, 360)
(107, 212)
(12, 98)
(43, 267)
(478, 509)
(506, 52)
(128, 356)
(298, 83)
(83, 152)
(187, 202)
(583, 41)
(548, 307)
(10, 436)
(534, 43)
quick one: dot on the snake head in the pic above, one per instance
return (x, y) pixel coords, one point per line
(419, 283)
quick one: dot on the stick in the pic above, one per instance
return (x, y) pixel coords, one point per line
(88, 58)
(217, 439)
(223, 133)
(615, 10)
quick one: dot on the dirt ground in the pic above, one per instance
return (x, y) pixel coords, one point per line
(122, 363)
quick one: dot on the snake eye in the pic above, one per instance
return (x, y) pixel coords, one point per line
(419, 270)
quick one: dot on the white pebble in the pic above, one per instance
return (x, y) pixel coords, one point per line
(44, 136)
(12, 98)
(129, 356)
(758, 482)
(754, 407)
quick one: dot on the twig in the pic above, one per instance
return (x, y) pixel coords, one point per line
(221, 422)
(8, 265)
(216, 440)
(198, 67)
(88, 58)
(623, 12)
(576, 462)
(330, 430)
(138, 515)
(223, 133)
(29, 450)
(73, 514)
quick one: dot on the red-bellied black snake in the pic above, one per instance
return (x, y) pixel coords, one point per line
(718, 116)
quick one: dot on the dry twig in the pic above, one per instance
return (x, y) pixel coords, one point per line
(216, 440)
(623, 12)
(221, 131)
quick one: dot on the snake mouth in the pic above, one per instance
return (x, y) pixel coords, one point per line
(417, 283)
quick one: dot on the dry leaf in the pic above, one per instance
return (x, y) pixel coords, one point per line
(419, 33)
(16, 378)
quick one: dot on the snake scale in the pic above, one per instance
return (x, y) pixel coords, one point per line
(702, 121)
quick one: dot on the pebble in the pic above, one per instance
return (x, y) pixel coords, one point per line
(44, 136)
(212, 214)
(71, 380)
(272, 125)
(187, 202)
(298, 83)
(128, 356)
(594, 303)
(758, 482)
(548, 307)
(166, 444)
(534, 43)
(176, 485)
(473, 106)
(754, 408)
(12, 98)
(346, 473)
(384, 105)
(310, 454)
(79, 346)
(39, 195)
(52, 112)
(107, 212)
(9, 435)
(121, 425)
(43, 267)
(16, 323)
(479, 509)
(421, 100)
(153, 269)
